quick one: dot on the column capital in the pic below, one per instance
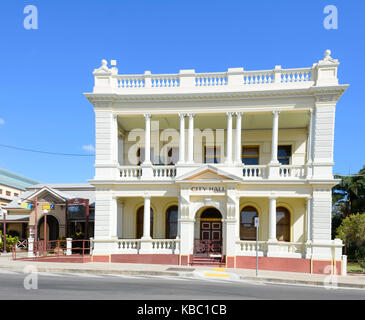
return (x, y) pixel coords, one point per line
(275, 112)
(147, 115)
(191, 115)
(273, 197)
(238, 113)
(182, 115)
(147, 196)
(230, 114)
(115, 115)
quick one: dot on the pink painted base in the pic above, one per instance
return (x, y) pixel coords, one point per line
(146, 258)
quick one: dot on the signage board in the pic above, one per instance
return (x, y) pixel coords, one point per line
(213, 189)
(48, 207)
(26, 205)
(256, 222)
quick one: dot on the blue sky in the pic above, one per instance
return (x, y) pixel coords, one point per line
(44, 72)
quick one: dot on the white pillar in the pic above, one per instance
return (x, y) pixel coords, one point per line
(272, 220)
(309, 219)
(147, 218)
(113, 218)
(310, 137)
(191, 138)
(68, 246)
(30, 247)
(275, 135)
(238, 138)
(229, 137)
(147, 148)
(120, 205)
(114, 142)
(182, 138)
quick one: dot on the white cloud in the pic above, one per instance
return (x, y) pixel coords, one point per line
(2, 121)
(88, 147)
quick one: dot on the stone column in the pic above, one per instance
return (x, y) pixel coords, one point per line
(191, 138)
(30, 247)
(147, 149)
(147, 218)
(238, 159)
(114, 141)
(229, 138)
(68, 246)
(120, 205)
(310, 144)
(182, 139)
(114, 218)
(146, 240)
(308, 234)
(308, 227)
(272, 220)
(274, 140)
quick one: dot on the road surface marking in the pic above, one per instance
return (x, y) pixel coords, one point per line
(218, 275)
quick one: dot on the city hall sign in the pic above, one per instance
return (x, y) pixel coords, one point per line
(211, 189)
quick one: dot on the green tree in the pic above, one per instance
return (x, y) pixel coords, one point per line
(352, 233)
(349, 195)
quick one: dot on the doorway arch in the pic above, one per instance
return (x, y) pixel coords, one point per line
(52, 228)
(210, 240)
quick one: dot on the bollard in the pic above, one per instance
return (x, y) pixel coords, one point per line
(68, 246)
(30, 247)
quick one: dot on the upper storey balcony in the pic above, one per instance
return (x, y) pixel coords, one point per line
(268, 125)
(188, 82)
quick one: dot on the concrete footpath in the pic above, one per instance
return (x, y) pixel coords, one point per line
(349, 281)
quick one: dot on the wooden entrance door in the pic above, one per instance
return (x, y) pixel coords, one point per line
(211, 230)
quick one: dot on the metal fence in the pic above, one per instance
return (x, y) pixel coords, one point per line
(56, 248)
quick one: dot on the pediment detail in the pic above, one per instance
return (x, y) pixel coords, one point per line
(208, 174)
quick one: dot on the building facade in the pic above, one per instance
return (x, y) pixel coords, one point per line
(65, 215)
(12, 185)
(186, 162)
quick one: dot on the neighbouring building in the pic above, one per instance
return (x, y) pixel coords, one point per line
(257, 144)
(12, 185)
(61, 203)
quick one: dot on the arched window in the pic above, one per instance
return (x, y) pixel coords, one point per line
(140, 214)
(282, 224)
(247, 223)
(171, 222)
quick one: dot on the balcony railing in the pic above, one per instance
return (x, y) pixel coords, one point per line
(216, 79)
(248, 172)
(253, 172)
(292, 171)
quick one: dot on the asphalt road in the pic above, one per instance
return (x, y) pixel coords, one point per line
(123, 287)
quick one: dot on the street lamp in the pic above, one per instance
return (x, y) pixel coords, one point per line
(3, 216)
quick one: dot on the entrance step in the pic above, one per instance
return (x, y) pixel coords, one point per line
(208, 261)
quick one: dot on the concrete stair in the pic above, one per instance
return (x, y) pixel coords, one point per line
(208, 261)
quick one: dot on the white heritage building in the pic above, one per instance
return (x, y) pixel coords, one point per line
(185, 162)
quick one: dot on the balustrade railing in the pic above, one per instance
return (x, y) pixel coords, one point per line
(132, 81)
(160, 172)
(253, 171)
(165, 81)
(292, 171)
(254, 77)
(130, 172)
(248, 247)
(211, 79)
(296, 75)
(217, 79)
